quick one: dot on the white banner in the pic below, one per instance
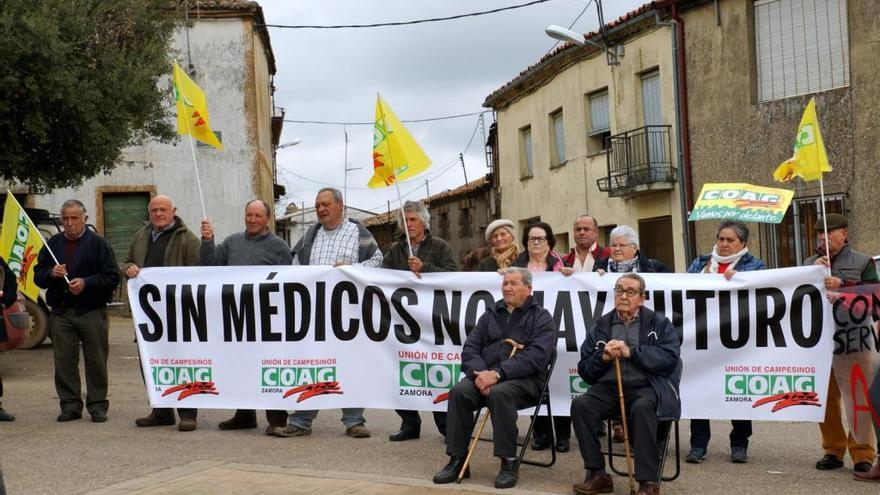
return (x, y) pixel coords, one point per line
(280, 337)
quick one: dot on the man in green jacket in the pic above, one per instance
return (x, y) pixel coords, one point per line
(164, 241)
(423, 254)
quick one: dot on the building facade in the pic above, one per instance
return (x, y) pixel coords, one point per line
(227, 52)
(577, 135)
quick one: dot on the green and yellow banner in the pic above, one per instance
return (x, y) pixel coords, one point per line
(396, 155)
(20, 243)
(743, 202)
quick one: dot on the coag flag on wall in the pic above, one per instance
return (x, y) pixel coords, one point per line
(192, 109)
(809, 160)
(743, 202)
(396, 155)
(20, 243)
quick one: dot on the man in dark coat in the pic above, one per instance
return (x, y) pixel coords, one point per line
(423, 254)
(78, 288)
(8, 296)
(493, 379)
(648, 348)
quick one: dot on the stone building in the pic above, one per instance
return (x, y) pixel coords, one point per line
(226, 49)
(582, 133)
(752, 67)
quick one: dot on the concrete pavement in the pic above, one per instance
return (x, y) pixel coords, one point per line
(39, 455)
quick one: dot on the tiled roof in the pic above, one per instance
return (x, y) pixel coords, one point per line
(498, 94)
(472, 186)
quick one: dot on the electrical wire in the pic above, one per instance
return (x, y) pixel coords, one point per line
(430, 119)
(406, 23)
(587, 6)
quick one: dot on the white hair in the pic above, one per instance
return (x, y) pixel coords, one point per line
(419, 209)
(626, 232)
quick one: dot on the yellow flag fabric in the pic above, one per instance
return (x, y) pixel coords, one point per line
(809, 160)
(20, 243)
(192, 109)
(396, 155)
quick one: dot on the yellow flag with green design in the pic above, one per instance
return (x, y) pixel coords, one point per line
(396, 155)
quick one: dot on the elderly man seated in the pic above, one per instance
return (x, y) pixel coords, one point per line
(494, 379)
(648, 349)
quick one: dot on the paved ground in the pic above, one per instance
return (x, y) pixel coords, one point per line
(39, 455)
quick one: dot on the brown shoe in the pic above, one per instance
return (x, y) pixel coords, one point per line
(648, 488)
(154, 420)
(872, 474)
(617, 431)
(358, 431)
(239, 422)
(598, 483)
(187, 424)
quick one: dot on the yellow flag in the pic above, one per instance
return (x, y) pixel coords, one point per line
(20, 243)
(192, 109)
(396, 155)
(809, 159)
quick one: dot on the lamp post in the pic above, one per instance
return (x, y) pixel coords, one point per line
(293, 142)
(560, 33)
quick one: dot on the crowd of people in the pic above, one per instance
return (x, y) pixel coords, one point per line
(81, 277)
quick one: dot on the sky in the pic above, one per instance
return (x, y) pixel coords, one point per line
(422, 71)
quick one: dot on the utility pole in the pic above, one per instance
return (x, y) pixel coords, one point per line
(461, 157)
(345, 171)
(427, 190)
(483, 132)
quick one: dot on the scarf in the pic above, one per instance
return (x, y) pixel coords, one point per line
(505, 257)
(624, 266)
(715, 259)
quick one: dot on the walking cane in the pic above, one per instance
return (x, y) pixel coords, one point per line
(515, 346)
(629, 461)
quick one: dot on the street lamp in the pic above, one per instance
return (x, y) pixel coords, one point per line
(562, 34)
(288, 144)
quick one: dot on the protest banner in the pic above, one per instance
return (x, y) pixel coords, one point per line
(743, 202)
(322, 337)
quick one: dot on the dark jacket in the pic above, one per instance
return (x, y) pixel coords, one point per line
(182, 250)
(850, 266)
(529, 324)
(554, 261)
(366, 244)
(435, 254)
(599, 253)
(93, 261)
(747, 263)
(645, 264)
(658, 356)
(9, 290)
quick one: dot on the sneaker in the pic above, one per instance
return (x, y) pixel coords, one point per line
(358, 431)
(829, 462)
(739, 455)
(292, 431)
(871, 475)
(696, 455)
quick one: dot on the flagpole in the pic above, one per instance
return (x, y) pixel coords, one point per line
(192, 149)
(396, 184)
(824, 220)
(45, 245)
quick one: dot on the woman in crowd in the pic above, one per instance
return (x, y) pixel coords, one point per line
(728, 256)
(8, 296)
(501, 235)
(539, 256)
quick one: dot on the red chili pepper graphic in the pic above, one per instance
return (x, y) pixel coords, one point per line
(790, 399)
(194, 388)
(313, 389)
(442, 397)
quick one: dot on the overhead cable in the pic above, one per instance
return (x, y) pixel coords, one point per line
(430, 119)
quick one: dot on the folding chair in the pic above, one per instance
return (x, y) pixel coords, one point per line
(544, 400)
(663, 431)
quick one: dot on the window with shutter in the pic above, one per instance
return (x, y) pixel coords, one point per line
(525, 148)
(599, 127)
(802, 47)
(557, 136)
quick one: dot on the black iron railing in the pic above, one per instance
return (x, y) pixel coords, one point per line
(638, 160)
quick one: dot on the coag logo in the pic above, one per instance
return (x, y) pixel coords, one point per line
(767, 384)
(179, 375)
(576, 385)
(296, 376)
(428, 375)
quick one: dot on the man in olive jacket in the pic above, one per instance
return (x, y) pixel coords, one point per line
(164, 241)
(429, 254)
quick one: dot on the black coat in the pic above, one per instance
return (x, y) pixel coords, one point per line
(658, 355)
(93, 261)
(645, 264)
(529, 324)
(10, 295)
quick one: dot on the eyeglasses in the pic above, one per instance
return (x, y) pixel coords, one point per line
(628, 292)
(538, 239)
(620, 246)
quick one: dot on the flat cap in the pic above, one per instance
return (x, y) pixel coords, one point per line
(834, 220)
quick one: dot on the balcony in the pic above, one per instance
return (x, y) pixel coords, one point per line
(639, 162)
